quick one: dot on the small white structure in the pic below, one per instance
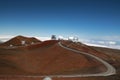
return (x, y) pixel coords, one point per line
(23, 42)
(74, 39)
(60, 37)
(11, 45)
(47, 78)
(70, 38)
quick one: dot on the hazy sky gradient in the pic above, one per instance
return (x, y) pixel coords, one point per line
(85, 18)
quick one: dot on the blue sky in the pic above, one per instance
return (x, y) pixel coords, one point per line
(85, 18)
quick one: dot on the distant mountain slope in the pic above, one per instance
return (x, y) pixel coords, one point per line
(46, 58)
(20, 41)
(49, 58)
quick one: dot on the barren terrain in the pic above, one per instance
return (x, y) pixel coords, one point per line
(46, 58)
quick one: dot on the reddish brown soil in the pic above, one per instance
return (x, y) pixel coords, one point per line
(16, 41)
(48, 58)
(88, 49)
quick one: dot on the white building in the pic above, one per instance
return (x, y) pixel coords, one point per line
(11, 45)
(74, 39)
(60, 37)
(23, 42)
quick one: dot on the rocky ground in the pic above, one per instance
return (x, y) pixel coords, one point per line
(48, 58)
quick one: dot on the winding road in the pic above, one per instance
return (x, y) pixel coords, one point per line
(110, 69)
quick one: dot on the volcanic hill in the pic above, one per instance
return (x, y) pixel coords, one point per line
(49, 58)
(20, 41)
